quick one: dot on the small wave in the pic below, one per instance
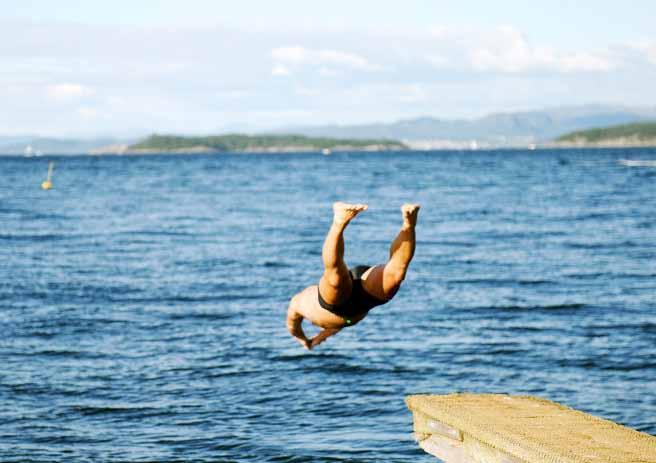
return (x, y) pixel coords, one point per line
(227, 374)
(506, 351)
(608, 365)
(188, 299)
(571, 245)
(589, 216)
(90, 410)
(276, 264)
(155, 233)
(647, 276)
(34, 237)
(33, 215)
(499, 281)
(220, 262)
(199, 316)
(637, 162)
(69, 441)
(534, 282)
(58, 353)
(577, 363)
(611, 245)
(585, 276)
(348, 369)
(520, 308)
(646, 327)
(303, 356)
(463, 244)
(519, 328)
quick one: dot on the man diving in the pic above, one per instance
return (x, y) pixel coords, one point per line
(343, 297)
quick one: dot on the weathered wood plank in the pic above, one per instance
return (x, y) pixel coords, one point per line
(448, 450)
(497, 428)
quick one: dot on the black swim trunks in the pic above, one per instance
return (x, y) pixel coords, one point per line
(358, 303)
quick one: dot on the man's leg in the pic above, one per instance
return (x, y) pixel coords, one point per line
(335, 284)
(383, 281)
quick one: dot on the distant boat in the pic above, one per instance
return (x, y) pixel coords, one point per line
(29, 151)
(473, 145)
(638, 162)
(531, 146)
(326, 151)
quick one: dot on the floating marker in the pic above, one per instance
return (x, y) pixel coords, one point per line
(47, 184)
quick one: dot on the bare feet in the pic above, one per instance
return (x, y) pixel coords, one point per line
(409, 212)
(344, 212)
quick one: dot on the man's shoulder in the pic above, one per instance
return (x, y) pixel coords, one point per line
(312, 289)
(307, 294)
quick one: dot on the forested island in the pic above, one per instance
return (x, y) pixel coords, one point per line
(638, 134)
(256, 143)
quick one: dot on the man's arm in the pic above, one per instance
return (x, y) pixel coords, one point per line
(294, 321)
(322, 336)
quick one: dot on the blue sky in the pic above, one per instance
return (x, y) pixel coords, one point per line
(200, 66)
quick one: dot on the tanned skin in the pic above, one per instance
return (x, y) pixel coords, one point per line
(381, 281)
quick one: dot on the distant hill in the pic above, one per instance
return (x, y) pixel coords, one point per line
(501, 129)
(48, 145)
(495, 130)
(639, 134)
(258, 143)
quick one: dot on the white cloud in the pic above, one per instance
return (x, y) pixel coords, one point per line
(198, 79)
(506, 49)
(328, 72)
(346, 59)
(646, 48)
(280, 70)
(584, 62)
(87, 113)
(68, 92)
(297, 56)
(289, 54)
(235, 94)
(438, 61)
(307, 92)
(412, 93)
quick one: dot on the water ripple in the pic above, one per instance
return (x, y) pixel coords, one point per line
(143, 320)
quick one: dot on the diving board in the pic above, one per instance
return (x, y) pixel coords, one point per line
(499, 428)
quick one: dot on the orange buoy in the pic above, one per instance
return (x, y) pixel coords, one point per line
(47, 184)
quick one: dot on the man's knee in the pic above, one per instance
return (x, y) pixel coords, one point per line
(335, 277)
(395, 274)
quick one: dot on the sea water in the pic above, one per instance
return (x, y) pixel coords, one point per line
(143, 299)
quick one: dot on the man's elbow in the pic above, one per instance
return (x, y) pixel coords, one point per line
(291, 327)
(293, 321)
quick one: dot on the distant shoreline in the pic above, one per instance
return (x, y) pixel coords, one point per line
(610, 143)
(125, 149)
(465, 151)
(249, 143)
(642, 134)
(117, 150)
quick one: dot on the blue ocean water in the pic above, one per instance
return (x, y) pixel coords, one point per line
(142, 300)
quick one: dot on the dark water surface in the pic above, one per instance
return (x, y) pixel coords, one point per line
(142, 300)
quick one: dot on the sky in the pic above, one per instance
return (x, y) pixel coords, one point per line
(126, 68)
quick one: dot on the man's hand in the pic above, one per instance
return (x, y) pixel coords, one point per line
(305, 342)
(322, 336)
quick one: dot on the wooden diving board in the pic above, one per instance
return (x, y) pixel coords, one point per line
(499, 428)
